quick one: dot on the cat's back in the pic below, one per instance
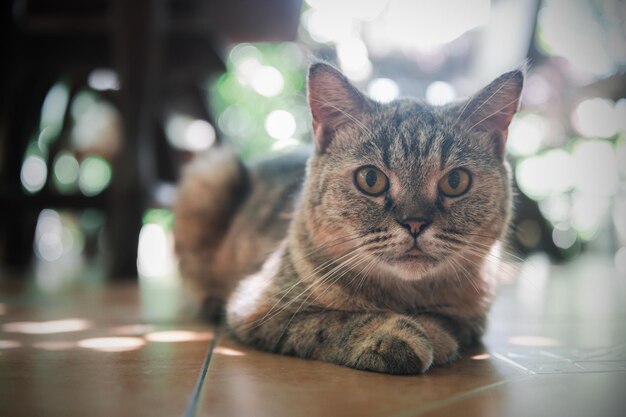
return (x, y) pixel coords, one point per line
(263, 218)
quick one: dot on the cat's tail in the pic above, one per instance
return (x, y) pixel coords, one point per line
(212, 187)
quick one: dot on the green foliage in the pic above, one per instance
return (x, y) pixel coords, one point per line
(240, 106)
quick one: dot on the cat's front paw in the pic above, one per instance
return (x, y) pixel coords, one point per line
(395, 355)
(399, 346)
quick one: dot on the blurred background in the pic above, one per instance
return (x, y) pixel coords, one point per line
(104, 101)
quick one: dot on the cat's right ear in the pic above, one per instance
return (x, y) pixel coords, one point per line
(333, 102)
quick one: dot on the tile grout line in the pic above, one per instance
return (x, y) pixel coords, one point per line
(192, 405)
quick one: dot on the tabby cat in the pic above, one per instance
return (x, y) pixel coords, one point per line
(373, 251)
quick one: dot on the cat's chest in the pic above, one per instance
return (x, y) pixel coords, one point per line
(416, 298)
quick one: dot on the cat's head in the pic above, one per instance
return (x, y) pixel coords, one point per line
(406, 187)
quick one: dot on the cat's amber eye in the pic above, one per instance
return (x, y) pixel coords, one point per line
(371, 180)
(455, 183)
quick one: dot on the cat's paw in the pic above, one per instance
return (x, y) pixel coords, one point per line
(445, 346)
(399, 346)
(392, 354)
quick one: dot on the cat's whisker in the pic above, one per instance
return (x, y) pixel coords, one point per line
(324, 264)
(361, 257)
(486, 101)
(505, 266)
(469, 243)
(460, 246)
(493, 114)
(355, 263)
(483, 253)
(501, 249)
(469, 276)
(330, 281)
(316, 283)
(340, 241)
(366, 274)
(361, 276)
(318, 269)
(454, 265)
(467, 103)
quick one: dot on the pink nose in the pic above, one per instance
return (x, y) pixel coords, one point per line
(415, 225)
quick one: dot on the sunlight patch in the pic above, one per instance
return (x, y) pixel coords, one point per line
(47, 327)
(112, 344)
(178, 336)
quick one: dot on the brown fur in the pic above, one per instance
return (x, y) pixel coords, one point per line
(321, 270)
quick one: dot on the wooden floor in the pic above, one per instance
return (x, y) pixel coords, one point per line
(556, 347)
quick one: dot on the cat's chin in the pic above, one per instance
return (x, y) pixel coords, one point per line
(410, 267)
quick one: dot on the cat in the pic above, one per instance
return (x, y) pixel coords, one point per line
(374, 249)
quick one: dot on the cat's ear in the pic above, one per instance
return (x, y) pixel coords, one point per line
(492, 108)
(333, 102)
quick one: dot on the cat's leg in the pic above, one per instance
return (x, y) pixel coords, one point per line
(381, 342)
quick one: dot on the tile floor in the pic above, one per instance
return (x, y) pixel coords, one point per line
(556, 346)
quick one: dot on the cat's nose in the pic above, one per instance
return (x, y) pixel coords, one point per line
(415, 225)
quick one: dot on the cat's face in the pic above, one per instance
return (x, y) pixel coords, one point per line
(406, 187)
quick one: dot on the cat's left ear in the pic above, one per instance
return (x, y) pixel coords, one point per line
(492, 108)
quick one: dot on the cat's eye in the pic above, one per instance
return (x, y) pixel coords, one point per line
(455, 183)
(371, 181)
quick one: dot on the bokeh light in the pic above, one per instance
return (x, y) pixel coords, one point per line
(97, 125)
(52, 113)
(326, 26)
(564, 236)
(34, 173)
(66, 171)
(383, 90)
(545, 174)
(155, 253)
(596, 167)
(102, 79)
(267, 81)
(237, 121)
(280, 124)
(186, 133)
(527, 133)
(598, 117)
(440, 93)
(49, 236)
(95, 175)
(353, 59)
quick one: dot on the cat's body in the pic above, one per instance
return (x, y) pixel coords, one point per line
(372, 258)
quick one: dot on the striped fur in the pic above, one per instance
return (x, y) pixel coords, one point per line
(320, 270)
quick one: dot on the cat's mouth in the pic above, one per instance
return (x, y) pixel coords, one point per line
(414, 251)
(414, 255)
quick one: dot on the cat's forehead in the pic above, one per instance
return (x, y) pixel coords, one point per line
(409, 133)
